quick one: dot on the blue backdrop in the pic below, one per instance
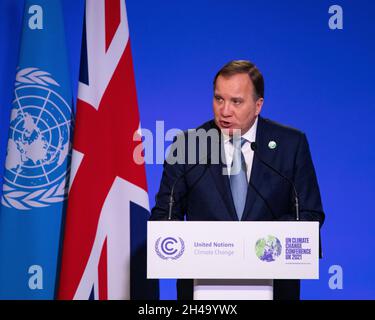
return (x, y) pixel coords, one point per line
(317, 79)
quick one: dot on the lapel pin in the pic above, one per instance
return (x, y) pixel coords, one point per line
(272, 144)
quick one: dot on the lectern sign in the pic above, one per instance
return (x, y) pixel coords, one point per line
(233, 250)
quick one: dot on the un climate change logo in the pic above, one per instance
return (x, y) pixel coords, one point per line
(39, 143)
(169, 248)
(268, 249)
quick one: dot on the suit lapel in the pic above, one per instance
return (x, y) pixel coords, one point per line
(257, 171)
(223, 186)
(222, 180)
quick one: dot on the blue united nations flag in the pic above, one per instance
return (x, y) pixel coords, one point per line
(38, 157)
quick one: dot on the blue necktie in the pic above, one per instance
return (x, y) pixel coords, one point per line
(238, 176)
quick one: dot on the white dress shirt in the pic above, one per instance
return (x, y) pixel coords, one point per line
(246, 149)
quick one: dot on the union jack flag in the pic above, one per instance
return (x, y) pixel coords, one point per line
(108, 202)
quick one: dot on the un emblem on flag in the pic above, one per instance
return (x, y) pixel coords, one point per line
(38, 153)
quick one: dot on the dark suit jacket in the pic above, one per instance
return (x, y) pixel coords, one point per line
(204, 192)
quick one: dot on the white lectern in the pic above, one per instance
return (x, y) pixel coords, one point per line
(233, 260)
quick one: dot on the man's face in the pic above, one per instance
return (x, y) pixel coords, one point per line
(234, 103)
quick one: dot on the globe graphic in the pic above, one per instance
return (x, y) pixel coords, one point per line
(39, 138)
(268, 249)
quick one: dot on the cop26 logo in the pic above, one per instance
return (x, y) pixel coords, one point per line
(169, 248)
(38, 151)
(268, 249)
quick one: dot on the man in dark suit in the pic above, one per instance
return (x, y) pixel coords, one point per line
(237, 185)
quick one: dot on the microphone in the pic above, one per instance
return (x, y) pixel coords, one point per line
(171, 199)
(296, 199)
